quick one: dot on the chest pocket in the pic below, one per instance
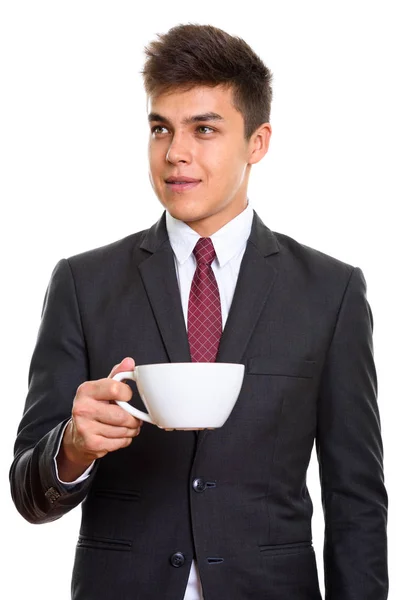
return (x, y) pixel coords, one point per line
(281, 367)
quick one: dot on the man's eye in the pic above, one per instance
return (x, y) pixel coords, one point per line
(156, 128)
(205, 127)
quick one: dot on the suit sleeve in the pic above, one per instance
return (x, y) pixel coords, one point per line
(58, 366)
(350, 454)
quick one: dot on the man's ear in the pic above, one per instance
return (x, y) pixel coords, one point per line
(259, 143)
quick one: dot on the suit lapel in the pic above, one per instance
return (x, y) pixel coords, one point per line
(255, 281)
(159, 278)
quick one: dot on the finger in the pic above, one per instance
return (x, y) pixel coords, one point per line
(103, 445)
(112, 414)
(89, 409)
(116, 432)
(104, 389)
(127, 364)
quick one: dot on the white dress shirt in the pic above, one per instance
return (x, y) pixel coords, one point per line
(229, 244)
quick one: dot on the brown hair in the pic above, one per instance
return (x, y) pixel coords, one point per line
(190, 55)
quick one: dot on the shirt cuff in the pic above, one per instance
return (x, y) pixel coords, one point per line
(82, 477)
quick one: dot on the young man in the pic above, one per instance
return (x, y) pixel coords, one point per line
(223, 513)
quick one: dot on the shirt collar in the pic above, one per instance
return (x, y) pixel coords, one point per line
(228, 241)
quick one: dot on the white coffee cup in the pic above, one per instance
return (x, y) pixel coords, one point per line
(190, 395)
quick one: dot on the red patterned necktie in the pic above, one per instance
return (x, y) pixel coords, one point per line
(204, 313)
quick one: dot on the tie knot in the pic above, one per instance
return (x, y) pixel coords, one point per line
(204, 251)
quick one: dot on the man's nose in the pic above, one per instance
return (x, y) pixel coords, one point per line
(179, 151)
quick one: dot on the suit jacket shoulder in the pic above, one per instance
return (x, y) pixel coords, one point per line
(107, 254)
(310, 258)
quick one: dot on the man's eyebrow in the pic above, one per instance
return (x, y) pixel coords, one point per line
(208, 116)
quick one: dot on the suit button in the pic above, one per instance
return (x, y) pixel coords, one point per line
(177, 559)
(52, 495)
(199, 485)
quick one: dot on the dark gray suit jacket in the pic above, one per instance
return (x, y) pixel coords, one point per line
(235, 498)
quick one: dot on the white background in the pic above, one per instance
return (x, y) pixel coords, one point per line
(73, 142)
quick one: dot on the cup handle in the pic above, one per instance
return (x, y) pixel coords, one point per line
(139, 414)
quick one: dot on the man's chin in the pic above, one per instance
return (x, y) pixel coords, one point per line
(184, 211)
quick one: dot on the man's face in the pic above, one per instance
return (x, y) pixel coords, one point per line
(199, 134)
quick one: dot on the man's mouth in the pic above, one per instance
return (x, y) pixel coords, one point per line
(181, 184)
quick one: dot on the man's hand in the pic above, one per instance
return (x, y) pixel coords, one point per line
(98, 426)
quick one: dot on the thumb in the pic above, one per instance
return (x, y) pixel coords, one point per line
(127, 364)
